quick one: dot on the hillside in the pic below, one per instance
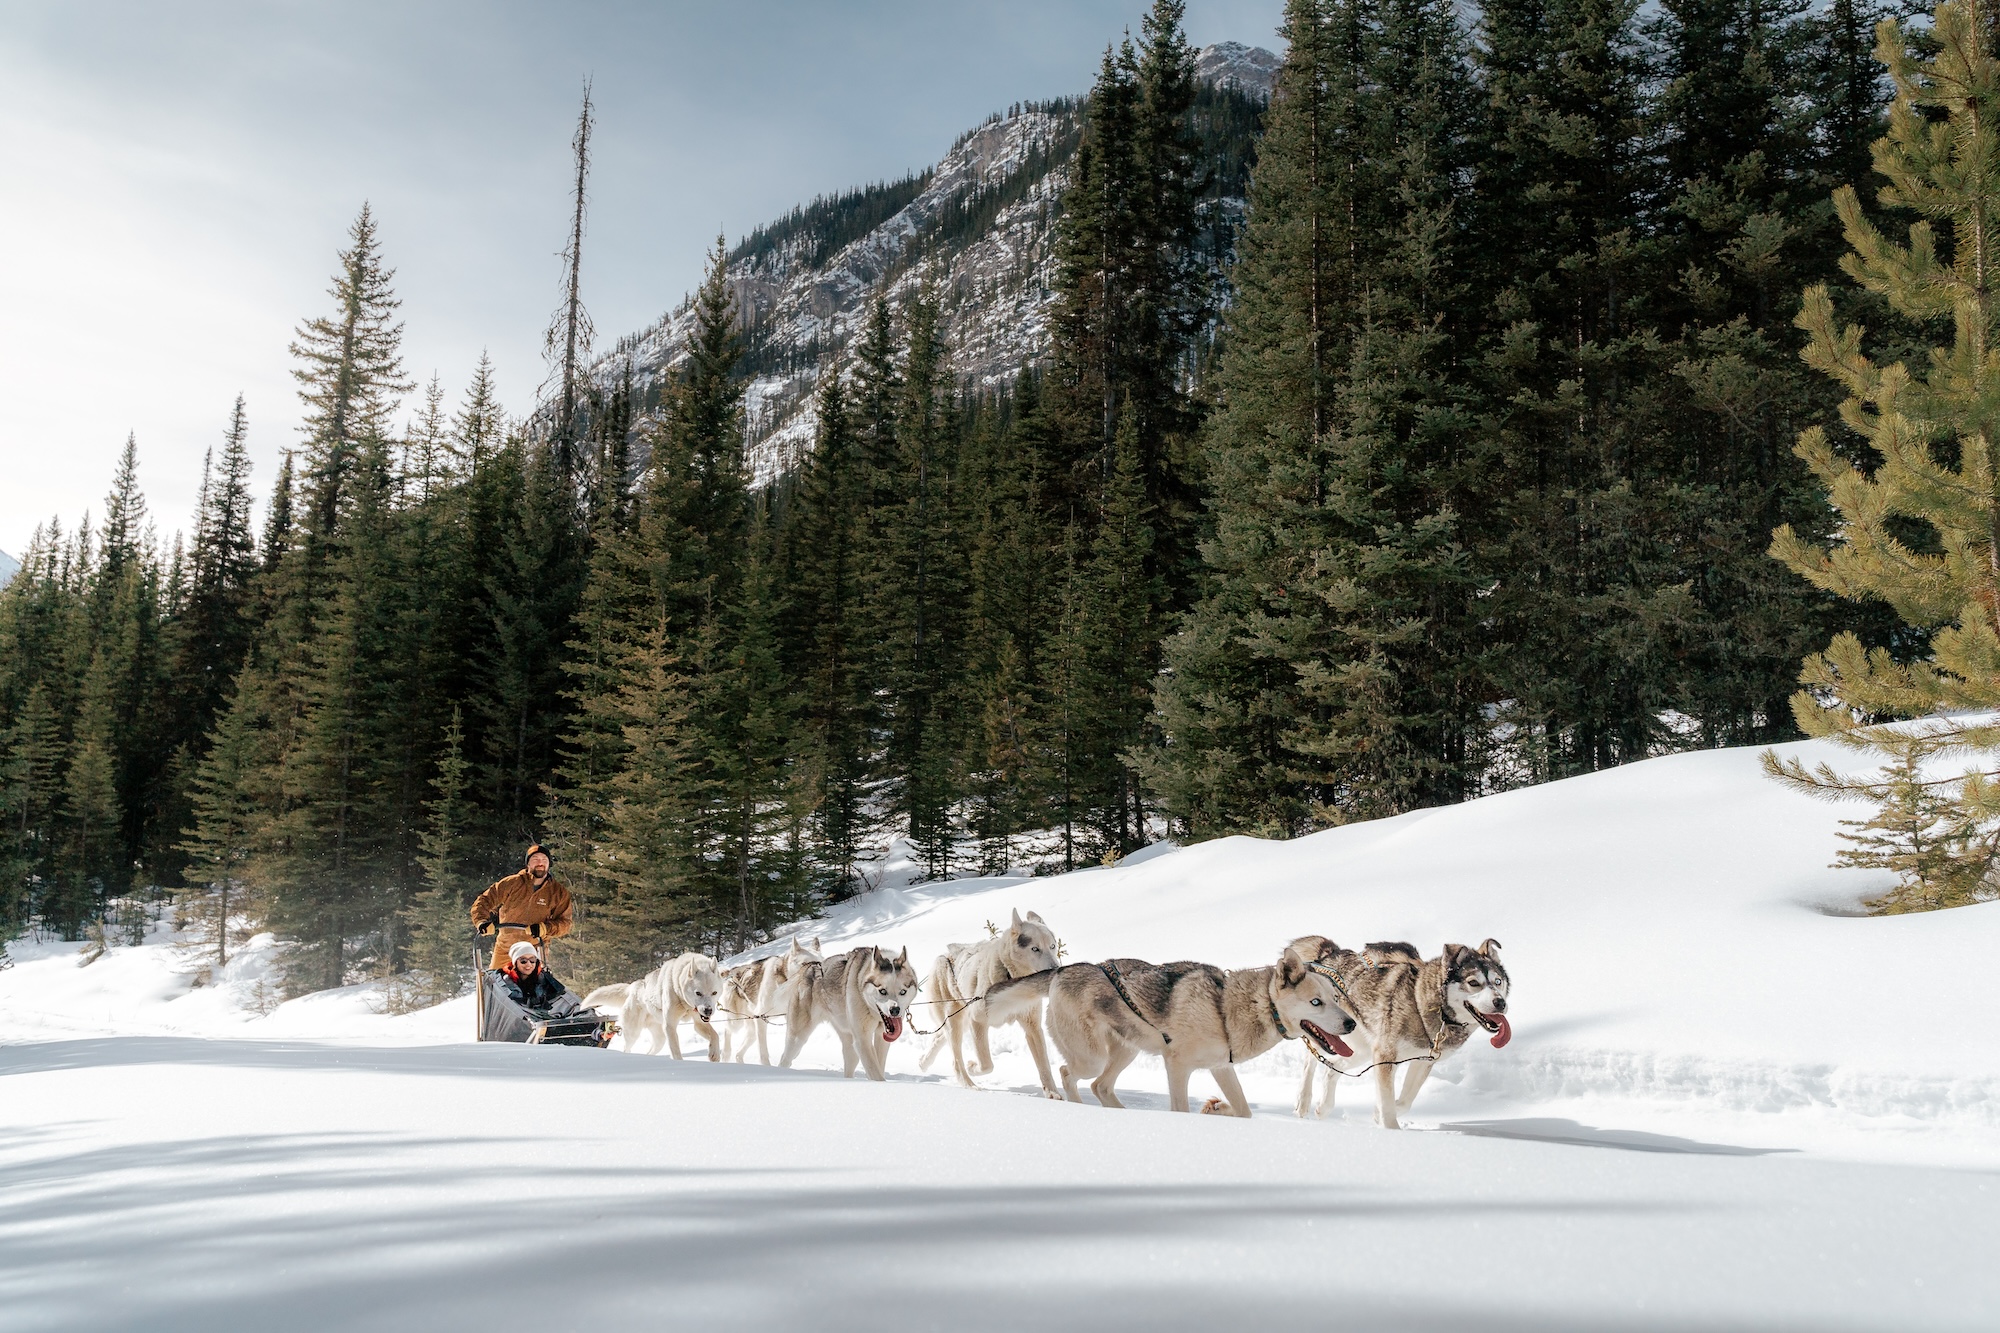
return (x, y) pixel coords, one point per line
(1718, 1071)
(9, 567)
(979, 224)
(1670, 925)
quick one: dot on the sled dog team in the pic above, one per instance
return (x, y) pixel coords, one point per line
(1399, 1008)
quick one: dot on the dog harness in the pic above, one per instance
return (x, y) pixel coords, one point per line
(1118, 984)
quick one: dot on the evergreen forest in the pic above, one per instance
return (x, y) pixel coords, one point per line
(1458, 472)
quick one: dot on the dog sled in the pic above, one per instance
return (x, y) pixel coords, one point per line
(499, 1017)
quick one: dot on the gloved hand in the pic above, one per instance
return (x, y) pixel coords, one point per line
(536, 930)
(490, 924)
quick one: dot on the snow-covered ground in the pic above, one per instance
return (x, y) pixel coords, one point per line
(1729, 1102)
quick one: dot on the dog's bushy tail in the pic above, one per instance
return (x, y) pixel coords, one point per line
(1015, 998)
(613, 994)
(937, 989)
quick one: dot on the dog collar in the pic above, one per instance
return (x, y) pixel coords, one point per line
(1279, 1019)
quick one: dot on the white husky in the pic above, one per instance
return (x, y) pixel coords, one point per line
(756, 994)
(961, 977)
(687, 987)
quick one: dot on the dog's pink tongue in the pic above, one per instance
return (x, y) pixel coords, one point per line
(1340, 1047)
(1505, 1034)
(892, 1027)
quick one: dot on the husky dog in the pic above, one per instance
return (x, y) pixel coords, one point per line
(864, 994)
(1193, 1016)
(965, 972)
(1416, 1012)
(687, 987)
(756, 993)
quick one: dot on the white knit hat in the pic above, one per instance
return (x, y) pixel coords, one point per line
(521, 948)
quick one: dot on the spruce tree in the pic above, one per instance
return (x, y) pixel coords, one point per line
(644, 795)
(1587, 593)
(436, 957)
(828, 535)
(918, 597)
(1918, 527)
(350, 372)
(221, 839)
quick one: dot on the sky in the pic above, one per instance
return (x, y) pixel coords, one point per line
(178, 180)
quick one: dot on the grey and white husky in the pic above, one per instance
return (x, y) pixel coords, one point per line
(961, 977)
(1102, 1016)
(1412, 1011)
(755, 994)
(685, 988)
(864, 995)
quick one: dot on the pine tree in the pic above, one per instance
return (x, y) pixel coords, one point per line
(221, 840)
(1939, 826)
(31, 760)
(210, 632)
(751, 715)
(918, 591)
(480, 427)
(91, 865)
(278, 520)
(438, 967)
(350, 372)
(644, 796)
(341, 823)
(828, 533)
(1297, 693)
(1587, 594)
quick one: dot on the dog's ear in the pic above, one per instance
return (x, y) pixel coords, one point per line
(816, 944)
(1036, 917)
(1313, 948)
(1015, 924)
(1454, 961)
(1292, 964)
(1491, 949)
(903, 958)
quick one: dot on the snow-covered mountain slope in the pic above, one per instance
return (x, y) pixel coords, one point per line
(1708, 1048)
(978, 225)
(1232, 64)
(9, 567)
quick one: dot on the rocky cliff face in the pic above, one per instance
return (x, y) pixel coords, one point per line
(979, 226)
(1234, 65)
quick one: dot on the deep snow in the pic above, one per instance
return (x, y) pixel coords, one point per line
(1729, 1102)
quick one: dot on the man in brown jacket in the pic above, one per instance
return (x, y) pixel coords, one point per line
(528, 904)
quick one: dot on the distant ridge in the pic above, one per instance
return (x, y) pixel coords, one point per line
(9, 567)
(979, 224)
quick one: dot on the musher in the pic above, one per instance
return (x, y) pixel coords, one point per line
(529, 904)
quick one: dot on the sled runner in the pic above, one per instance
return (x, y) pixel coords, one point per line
(499, 1017)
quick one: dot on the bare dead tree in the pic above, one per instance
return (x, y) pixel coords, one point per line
(569, 337)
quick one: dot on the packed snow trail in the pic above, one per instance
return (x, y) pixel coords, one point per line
(171, 1183)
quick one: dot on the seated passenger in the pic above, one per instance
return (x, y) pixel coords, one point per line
(527, 983)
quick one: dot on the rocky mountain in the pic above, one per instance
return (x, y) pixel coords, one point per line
(979, 225)
(9, 567)
(1251, 69)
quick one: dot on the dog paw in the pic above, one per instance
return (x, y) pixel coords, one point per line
(1053, 1095)
(1216, 1106)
